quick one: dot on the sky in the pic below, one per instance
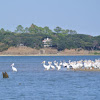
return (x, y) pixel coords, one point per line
(80, 15)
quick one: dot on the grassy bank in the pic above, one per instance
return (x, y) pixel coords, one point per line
(27, 51)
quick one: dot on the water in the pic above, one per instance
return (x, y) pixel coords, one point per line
(32, 82)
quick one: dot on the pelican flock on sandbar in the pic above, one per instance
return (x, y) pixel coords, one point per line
(75, 65)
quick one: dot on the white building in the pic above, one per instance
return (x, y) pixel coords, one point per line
(47, 42)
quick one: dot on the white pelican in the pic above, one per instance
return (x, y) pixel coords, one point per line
(58, 66)
(47, 67)
(13, 68)
(55, 63)
(53, 67)
(64, 64)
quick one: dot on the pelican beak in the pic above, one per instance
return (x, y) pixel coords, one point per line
(42, 62)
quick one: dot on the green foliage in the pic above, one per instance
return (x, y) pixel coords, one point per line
(19, 29)
(2, 30)
(3, 47)
(47, 30)
(35, 29)
(61, 38)
(58, 29)
(26, 30)
(96, 53)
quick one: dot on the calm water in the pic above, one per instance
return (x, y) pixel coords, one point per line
(32, 82)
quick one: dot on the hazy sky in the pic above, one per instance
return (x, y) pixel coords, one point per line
(80, 15)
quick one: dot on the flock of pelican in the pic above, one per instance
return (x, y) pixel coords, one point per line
(81, 64)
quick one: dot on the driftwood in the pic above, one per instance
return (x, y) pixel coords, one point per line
(5, 75)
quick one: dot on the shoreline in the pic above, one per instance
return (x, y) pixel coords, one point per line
(27, 51)
(50, 55)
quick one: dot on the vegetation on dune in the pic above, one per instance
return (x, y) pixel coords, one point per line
(34, 35)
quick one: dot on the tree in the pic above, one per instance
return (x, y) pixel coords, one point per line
(65, 31)
(47, 30)
(2, 30)
(72, 32)
(8, 31)
(19, 29)
(58, 29)
(26, 30)
(33, 29)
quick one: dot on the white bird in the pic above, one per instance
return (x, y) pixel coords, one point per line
(58, 66)
(47, 67)
(13, 68)
(50, 63)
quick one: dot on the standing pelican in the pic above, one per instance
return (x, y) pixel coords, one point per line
(50, 63)
(13, 68)
(58, 66)
(47, 67)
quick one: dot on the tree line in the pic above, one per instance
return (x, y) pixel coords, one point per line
(61, 38)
